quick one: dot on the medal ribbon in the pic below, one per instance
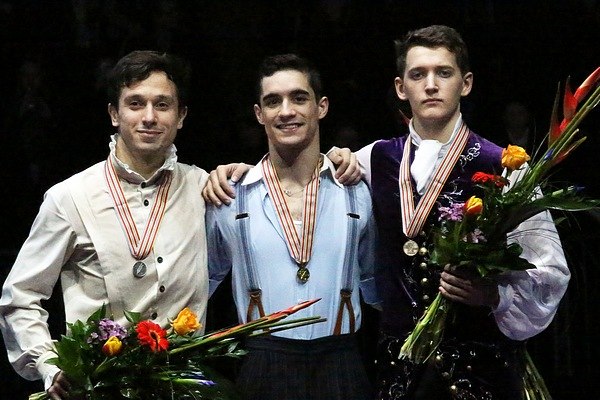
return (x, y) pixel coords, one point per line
(139, 248)
(414, 219)
(300, 248)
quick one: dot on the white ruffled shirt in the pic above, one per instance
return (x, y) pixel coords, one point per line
(60, 244)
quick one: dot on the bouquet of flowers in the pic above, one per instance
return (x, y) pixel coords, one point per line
(474, 234)
(104, 360)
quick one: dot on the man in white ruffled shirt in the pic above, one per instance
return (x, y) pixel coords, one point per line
(127, 232)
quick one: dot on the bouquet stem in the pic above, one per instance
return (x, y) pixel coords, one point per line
(427, 335)
(534, 387)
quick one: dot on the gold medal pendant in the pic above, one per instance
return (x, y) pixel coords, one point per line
(303, 274)
(410, 248)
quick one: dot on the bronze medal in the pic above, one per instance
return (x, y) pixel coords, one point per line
(410, 248)
(303, 274)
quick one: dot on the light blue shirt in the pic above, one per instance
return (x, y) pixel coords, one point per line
(276, 269)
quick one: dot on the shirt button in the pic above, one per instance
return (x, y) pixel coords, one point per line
(154, 315)
(161, 289)
(143, 185)
(159, 260)
(146, 202)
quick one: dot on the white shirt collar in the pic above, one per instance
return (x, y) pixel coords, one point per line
(125, 172)
(255, 173)
(416, 139)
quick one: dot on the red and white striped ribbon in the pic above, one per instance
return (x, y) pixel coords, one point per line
(300, 248)
(139, 247)
(414, 219)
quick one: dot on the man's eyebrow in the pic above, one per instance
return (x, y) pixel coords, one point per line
(133, 96)
(270, 96)
(164, 97)
(421, 67)
(294, 92)
(300, 91)
(161, 97)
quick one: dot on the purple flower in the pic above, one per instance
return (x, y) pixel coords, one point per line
(106, 329)
(193, 377)
(452, 213)
(476, 236)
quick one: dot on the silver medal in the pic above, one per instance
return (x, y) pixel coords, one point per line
(139, 269)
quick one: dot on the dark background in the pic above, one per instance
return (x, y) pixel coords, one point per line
(53, 119)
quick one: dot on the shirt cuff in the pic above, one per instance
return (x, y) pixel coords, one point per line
(47, 371)
(369, 291)
(506, 293)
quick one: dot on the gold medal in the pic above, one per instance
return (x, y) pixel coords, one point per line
(303, 274)
(410, 248)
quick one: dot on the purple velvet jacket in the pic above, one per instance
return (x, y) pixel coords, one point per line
(404, 287)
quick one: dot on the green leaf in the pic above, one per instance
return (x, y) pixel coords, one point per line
(98, 315)
(132, 316)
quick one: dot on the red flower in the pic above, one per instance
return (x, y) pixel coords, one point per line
(152, 335)
(271, 317)
(570, 102)
(292, 309)
(482, 177)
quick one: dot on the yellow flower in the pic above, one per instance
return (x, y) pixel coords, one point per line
(112, 346)
(513, 157)
(185, 322)
(473, 206)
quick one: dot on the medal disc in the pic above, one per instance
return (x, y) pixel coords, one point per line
(410, 248)
(139, 269)
(303, 274)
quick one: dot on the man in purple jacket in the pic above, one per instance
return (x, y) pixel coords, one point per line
(410, 178)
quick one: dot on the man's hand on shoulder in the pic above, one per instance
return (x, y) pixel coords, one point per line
(218, 190)
(348, 169)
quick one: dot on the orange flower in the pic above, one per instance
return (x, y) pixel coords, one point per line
(473, 206)
(513, 157)
(185, 322)
(152, 335)
(112, 346)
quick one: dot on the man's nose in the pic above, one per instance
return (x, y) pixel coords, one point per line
(149, 116)
(431, 82)
(287, 108)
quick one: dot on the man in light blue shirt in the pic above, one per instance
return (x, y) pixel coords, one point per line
(294, 233)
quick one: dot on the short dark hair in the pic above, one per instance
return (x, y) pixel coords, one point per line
(284, 62)
(138, 65)
(433, 36)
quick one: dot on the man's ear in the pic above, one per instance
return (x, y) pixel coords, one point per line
(399, 84)
(467, 84)
(182, 115)
(323, 105)
(258, 113)
(114, 115)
